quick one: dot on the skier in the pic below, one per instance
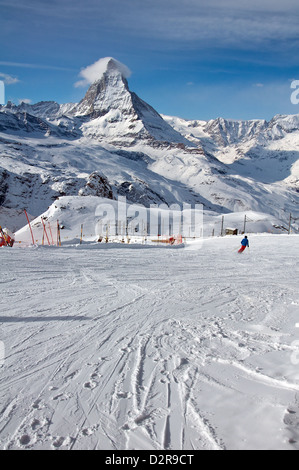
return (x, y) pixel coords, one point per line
(6, 237)
(244, 243)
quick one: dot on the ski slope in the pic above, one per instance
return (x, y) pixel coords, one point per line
(133, 347)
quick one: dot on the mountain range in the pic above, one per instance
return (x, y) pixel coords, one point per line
(113, 143)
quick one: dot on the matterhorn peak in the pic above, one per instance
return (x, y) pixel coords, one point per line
(114, 112)
(95, 72)
(114, 65)
(108, 88)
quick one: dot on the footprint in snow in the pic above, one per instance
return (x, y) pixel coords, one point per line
(37, 405)
(35, 424)
(90, 385)
(58, 442)
(25, 440)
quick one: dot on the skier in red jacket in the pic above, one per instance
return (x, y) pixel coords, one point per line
(244, 243)
(6, 237)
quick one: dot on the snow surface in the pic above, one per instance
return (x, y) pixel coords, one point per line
(133, 348)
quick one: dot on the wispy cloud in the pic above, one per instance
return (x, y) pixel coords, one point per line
(8, 79)
(35, 66)
(238, 23)
(218, 25)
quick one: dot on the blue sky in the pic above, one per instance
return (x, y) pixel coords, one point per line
(198, 59)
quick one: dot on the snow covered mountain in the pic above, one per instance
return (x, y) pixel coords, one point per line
(113, 143)
(109, 112)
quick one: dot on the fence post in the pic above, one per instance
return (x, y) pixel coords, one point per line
(290, 224)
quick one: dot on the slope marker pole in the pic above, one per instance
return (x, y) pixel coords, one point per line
(45, 231)
(51, 234)
(29, 227)
(81, 237)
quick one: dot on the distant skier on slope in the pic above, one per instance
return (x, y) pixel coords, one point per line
(244, 243)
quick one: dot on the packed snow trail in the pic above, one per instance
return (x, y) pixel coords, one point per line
(150, 348)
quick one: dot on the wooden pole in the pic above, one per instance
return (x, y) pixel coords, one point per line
(58, 234)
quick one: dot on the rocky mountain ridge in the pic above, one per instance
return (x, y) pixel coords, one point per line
(112, 142)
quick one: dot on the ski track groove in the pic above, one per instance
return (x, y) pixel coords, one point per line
(74, 349)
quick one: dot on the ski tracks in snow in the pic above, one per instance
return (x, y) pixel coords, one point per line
(109, 351)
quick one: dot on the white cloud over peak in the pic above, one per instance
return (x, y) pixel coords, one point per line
(25, 101)
(94, 72)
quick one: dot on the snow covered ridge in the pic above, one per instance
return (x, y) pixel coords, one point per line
(108, 111)
(117, 221)
(113, 143)
(94, 219)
